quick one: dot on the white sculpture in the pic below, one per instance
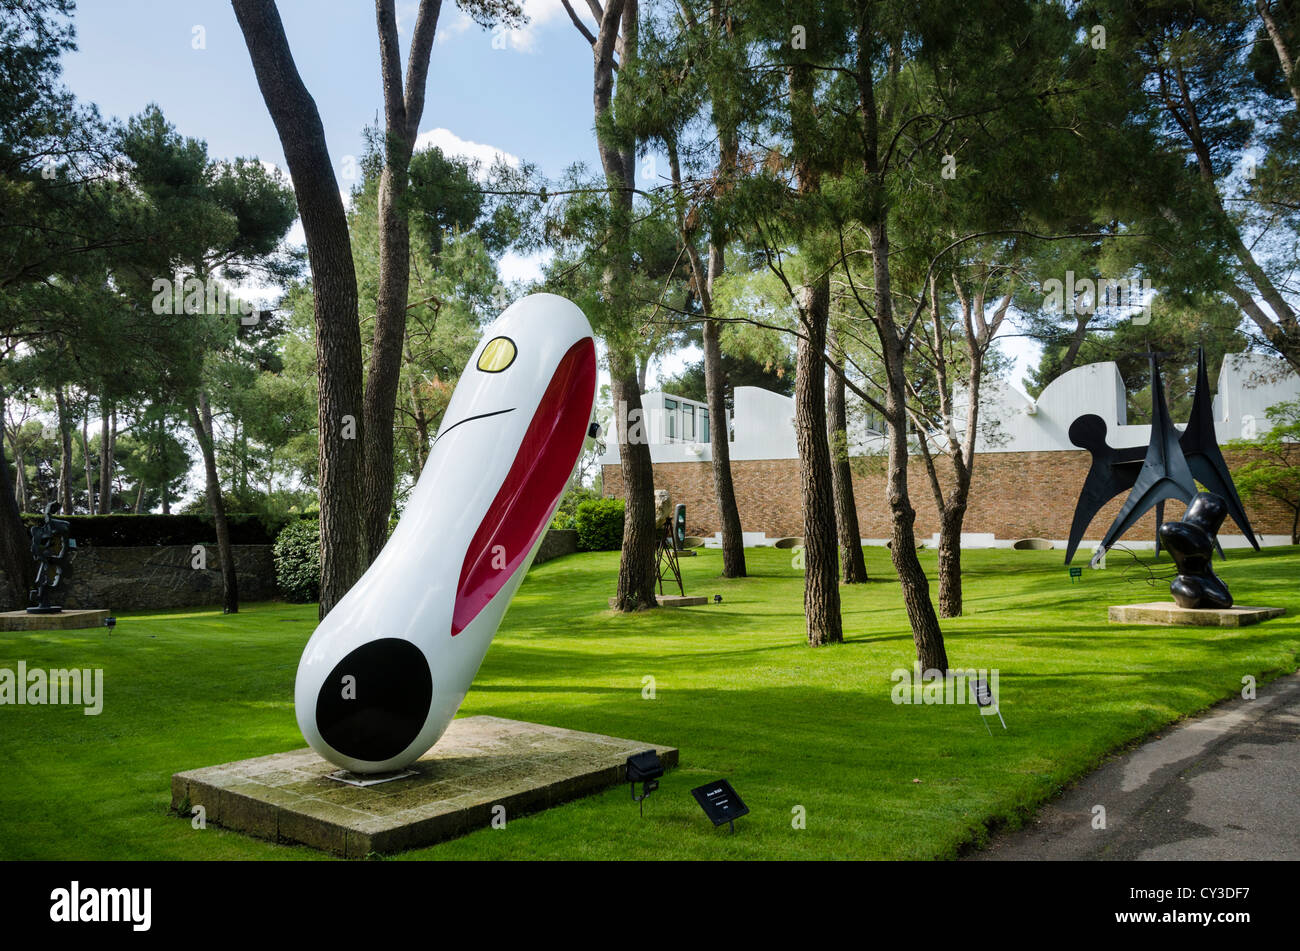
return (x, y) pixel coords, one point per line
(385, 672)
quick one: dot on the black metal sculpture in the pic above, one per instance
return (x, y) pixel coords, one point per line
(53, 547)
(666, 558)
(1191, 543)
(1168, 468)
(1201, 448)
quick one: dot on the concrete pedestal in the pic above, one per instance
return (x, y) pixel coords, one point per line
(68, 619)
(480, 763)
(1166, 612)
(676, 600)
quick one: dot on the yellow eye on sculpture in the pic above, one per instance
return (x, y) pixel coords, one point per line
(497, 355)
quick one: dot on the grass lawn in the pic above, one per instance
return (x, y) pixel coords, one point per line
(736, 690)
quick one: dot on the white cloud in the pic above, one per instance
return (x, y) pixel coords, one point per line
(524, 39)
(451, 27)
(452, 144)
(539, 12)
(522, 267)
(405, 13)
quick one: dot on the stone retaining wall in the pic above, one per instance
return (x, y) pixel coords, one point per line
(147, 578)
(558, 541)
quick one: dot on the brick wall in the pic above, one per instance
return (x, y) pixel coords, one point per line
(1013, 495)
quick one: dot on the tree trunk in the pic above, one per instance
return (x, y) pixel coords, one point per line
(1282, 331)
(15, 541)
(733, 540)
(421, 416)
(20, 481)
(139, 498)
(950, 522)
(1076, 341)
(201, 421)
(821, 593)
(853, 566)
(402, 111)
(724, 489)
(926, 633)
(636, 568)
(107, 437)
(65, 451)
(85, 458)
(1280, 47)
(338, 335)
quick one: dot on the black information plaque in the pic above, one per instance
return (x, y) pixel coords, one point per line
(720, 802)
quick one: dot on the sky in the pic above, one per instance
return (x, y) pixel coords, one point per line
(523, 93)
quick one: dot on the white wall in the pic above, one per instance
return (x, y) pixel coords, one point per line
(763, 425)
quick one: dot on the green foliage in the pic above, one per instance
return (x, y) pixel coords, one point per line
(297, 560)
(567, 511)
(1273, 472)
(443, 197)
(599, 523)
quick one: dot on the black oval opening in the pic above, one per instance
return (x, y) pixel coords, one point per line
(375, 701)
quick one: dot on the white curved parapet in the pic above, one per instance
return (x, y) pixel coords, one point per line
(385, 672)
(763, 425)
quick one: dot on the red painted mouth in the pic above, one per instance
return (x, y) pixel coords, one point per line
(537, 478)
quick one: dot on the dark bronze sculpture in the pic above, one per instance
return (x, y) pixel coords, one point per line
(1168, 468)
(53, 547)
(1191, 543)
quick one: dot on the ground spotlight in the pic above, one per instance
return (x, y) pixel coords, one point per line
(644, 768)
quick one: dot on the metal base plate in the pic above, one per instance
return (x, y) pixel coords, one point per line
(368, 779)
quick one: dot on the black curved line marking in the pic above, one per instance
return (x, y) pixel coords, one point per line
(470, 419)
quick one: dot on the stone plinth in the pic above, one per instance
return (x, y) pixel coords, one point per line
(1166, 612)
(675, 600)
(480, 762)
(69, 619)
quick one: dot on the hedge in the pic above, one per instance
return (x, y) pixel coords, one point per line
(132, 530)
(599, 523)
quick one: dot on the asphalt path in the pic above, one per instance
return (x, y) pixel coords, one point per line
(1223, 785)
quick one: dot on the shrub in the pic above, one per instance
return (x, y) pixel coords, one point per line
(297, 561)
(599, 523)
(568, 507)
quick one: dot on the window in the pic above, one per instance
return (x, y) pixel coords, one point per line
(688, 421)
(704, 425)
(670, 419)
